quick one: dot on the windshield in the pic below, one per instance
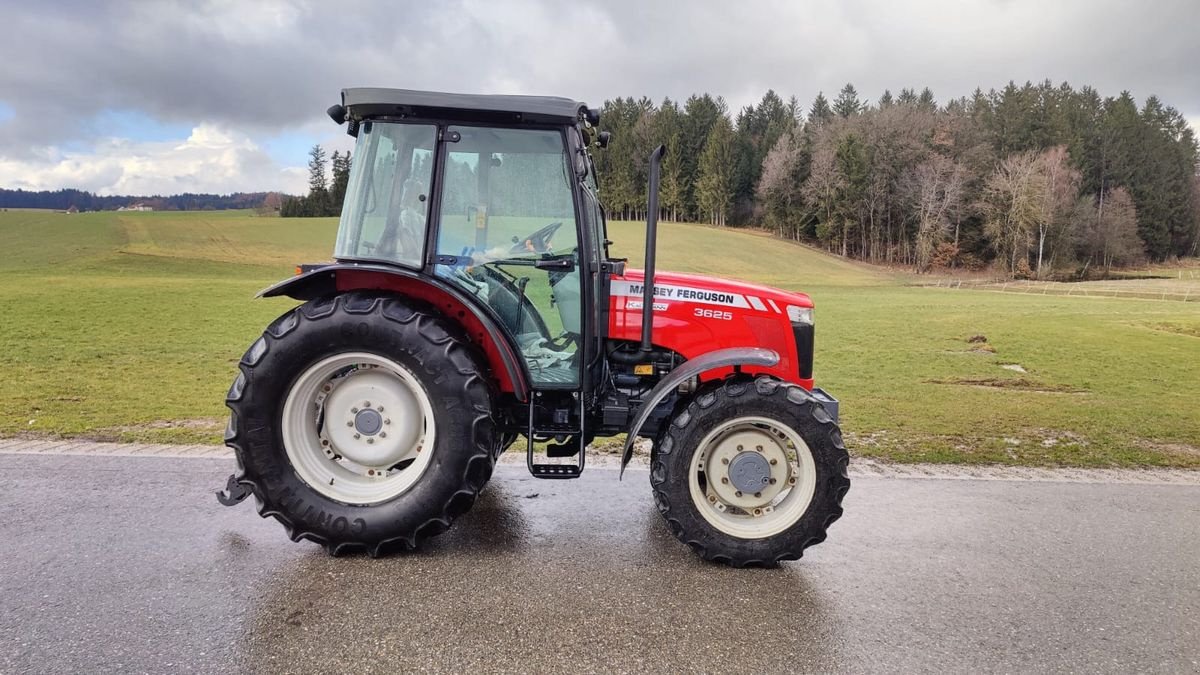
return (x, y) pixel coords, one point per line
(387, 198)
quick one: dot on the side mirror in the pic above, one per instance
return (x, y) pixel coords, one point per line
(337, 113)
(603, 138)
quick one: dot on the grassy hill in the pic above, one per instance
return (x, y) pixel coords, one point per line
(128, 326)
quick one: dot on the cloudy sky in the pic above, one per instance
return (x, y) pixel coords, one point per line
(220, 96)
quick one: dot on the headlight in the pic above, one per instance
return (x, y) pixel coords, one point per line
(800, 314)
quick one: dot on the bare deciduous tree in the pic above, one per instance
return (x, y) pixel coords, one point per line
(1013, 197)
(1061, 188)
(777, 191)
(934, 189)
(1109, 237)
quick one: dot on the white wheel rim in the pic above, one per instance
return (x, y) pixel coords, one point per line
(358, 428)
(789, 477)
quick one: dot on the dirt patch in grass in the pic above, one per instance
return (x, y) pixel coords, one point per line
(1016, 384)
(1176, 449)
(1190, 330)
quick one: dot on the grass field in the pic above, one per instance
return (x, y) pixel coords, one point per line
(128, 326)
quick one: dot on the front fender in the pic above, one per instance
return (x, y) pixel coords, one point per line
(722, 358)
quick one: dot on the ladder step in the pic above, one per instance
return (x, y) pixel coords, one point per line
(555, 470)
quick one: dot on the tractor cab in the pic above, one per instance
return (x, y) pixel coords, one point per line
(487, 209)
(472, 300)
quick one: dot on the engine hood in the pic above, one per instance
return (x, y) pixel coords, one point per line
(753, 293)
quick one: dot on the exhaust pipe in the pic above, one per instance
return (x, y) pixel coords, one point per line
(651, 240)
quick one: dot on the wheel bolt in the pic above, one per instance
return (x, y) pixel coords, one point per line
(387, 421)
(366, 404)
(757, 494)
(724, 460)
(758, 448)
(738, 493)
(712, 499)
(354, 410)
(383, 434)
(774, 462)
(758, 512)
(370, 472)
(772, 481)
(791, 481)
(379, 408)
(357, 436)
(370, 440)
(725, 481)
(350, 423)
(327, 388)
(324, 441)
(739, 448)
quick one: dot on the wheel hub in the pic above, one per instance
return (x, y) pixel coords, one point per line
(373, 419)
(752, 477)
(749, 472)
(368, 422)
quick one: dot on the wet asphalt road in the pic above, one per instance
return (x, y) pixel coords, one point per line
(129, 564)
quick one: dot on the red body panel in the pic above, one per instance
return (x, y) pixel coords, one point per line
(695, 314)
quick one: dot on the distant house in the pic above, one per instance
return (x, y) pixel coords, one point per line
(136, 207)
(72, 209)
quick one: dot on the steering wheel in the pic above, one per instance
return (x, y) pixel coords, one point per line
(536, 242)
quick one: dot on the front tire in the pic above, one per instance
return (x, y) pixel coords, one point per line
(750, 472)
(362, 421)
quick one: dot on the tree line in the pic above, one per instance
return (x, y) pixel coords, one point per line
(324, 196)
(61, 200)
(1032, 178)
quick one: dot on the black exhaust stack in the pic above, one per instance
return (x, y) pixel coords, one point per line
(651, 240)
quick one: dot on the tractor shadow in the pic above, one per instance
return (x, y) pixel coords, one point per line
(542, 575)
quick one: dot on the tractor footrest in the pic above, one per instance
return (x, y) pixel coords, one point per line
(555, 470)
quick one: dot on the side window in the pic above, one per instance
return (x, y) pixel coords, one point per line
(387, 200)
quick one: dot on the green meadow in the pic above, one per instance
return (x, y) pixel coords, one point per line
(128, 326)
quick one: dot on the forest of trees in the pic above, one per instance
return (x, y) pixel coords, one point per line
(1034, 179)
(324, 196)
(62, 200)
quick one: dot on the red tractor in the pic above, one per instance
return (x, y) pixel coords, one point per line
(473, 299)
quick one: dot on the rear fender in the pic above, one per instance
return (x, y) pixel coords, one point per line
(507, 367)
(722, 358)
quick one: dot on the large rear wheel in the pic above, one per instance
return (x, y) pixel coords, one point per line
(363, 421)
(750, 472)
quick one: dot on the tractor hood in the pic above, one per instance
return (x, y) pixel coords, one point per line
(715, 290)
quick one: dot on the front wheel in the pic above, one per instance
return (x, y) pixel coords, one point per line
(750, 473)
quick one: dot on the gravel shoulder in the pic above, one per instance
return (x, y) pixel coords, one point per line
(859, 467)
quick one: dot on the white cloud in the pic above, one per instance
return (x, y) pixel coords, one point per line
(211, 159)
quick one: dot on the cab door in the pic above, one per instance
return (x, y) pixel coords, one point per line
(507, 235)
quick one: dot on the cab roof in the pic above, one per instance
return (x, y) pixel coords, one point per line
(367, 102)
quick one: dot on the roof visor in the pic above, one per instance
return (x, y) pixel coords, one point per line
(365, 102)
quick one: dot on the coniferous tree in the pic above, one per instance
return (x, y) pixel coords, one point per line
(715, 182)
(847, 103)
(819, 113)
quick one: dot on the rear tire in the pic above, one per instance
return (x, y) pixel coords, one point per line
(781, 438)
(414, 355)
